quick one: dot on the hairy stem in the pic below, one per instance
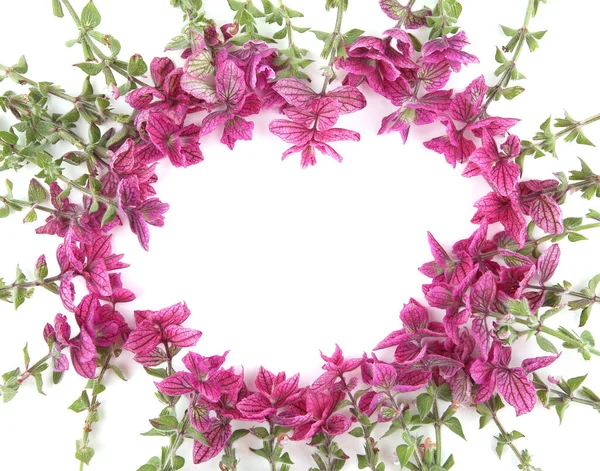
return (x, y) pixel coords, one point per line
(505, 435)
(336, 38)
(438, 433)
(506, 75)
(93, 408)
(30, 284)
(579, 124)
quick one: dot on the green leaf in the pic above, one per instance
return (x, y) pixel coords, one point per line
(26, 357)
(363, 462)
(80, 404)
(118, 372)
(508, 31)
(424, 404)
(90, 68)
(36, 192)
(57, 9)
(147, 467)
(454, 424)
(357, 432)
(237, 434)
(21, 66)
(136, 66)
(545, 344)
(90, 16)
(285, 458)
(575, 383)
(404, 453)
(194, 434)
(166, 422)
(84, 454)
(352, 35)
(9, 137)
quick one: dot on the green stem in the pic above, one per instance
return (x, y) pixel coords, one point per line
(574, 399)
(27, 373)
(438, 433)
(335, 41)
(90, 43)
(535, 243)
(575, 294)
(177, 440)
(369, 445)
(505, 435)
(404, 428)
(46, 209)
(31, 284)
(93, 408)
(85, 190)
(506, 75)
(580, 124)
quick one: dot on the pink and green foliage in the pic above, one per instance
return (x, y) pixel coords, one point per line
(485, 294)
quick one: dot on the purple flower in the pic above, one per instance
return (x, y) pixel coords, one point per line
(512, 383)
(157, 327)
(321, 409)
(335, 367)
(449, 49)
(180, 144)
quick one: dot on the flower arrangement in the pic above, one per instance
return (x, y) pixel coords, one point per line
(487, 293)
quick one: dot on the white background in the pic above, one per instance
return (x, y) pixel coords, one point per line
(276, 262)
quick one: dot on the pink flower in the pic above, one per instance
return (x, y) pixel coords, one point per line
(237, 102)
(335, 367)
(81, 347)
(512, 383)
(450, 49)
(321, 408)
(310, 128)
(499, 168)
(157, 327)
(180, 144)
(204, 376)
(140, 213)
(275, 392)
(504, 209)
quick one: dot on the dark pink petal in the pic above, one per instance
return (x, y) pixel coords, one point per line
(532, 364)
(143, 339)
(548, 262)
(172, 315)
(252, 105)
(440, 297)
(181, 337)
(349, 99)
(326, 111)
(98, 279)
(67, 291)
(493, 126)
(236, 129)
(547, 214)
(393, 339)
(162, 131)
(325, 381)
(217, 436)
(60, 363)
(384, 375)
(485, 390)
(516, 389)
(290, 132)
(483, 293)
(84, 367)
(414, 316)
(295, 91)
(336, 425)
(177, 384)
(231, 86)
(481, 371)
(337, 134)
(434, 76)
(461, 387)
(411, 380)
(265, 381)
(153, 358)
(160, 67)
(438, 252)
(141, 98)
(393, 9)
(497, 208)
(480, 333)
(285, 389)
(255, 407)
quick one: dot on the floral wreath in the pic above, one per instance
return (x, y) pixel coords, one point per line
(493, 289)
